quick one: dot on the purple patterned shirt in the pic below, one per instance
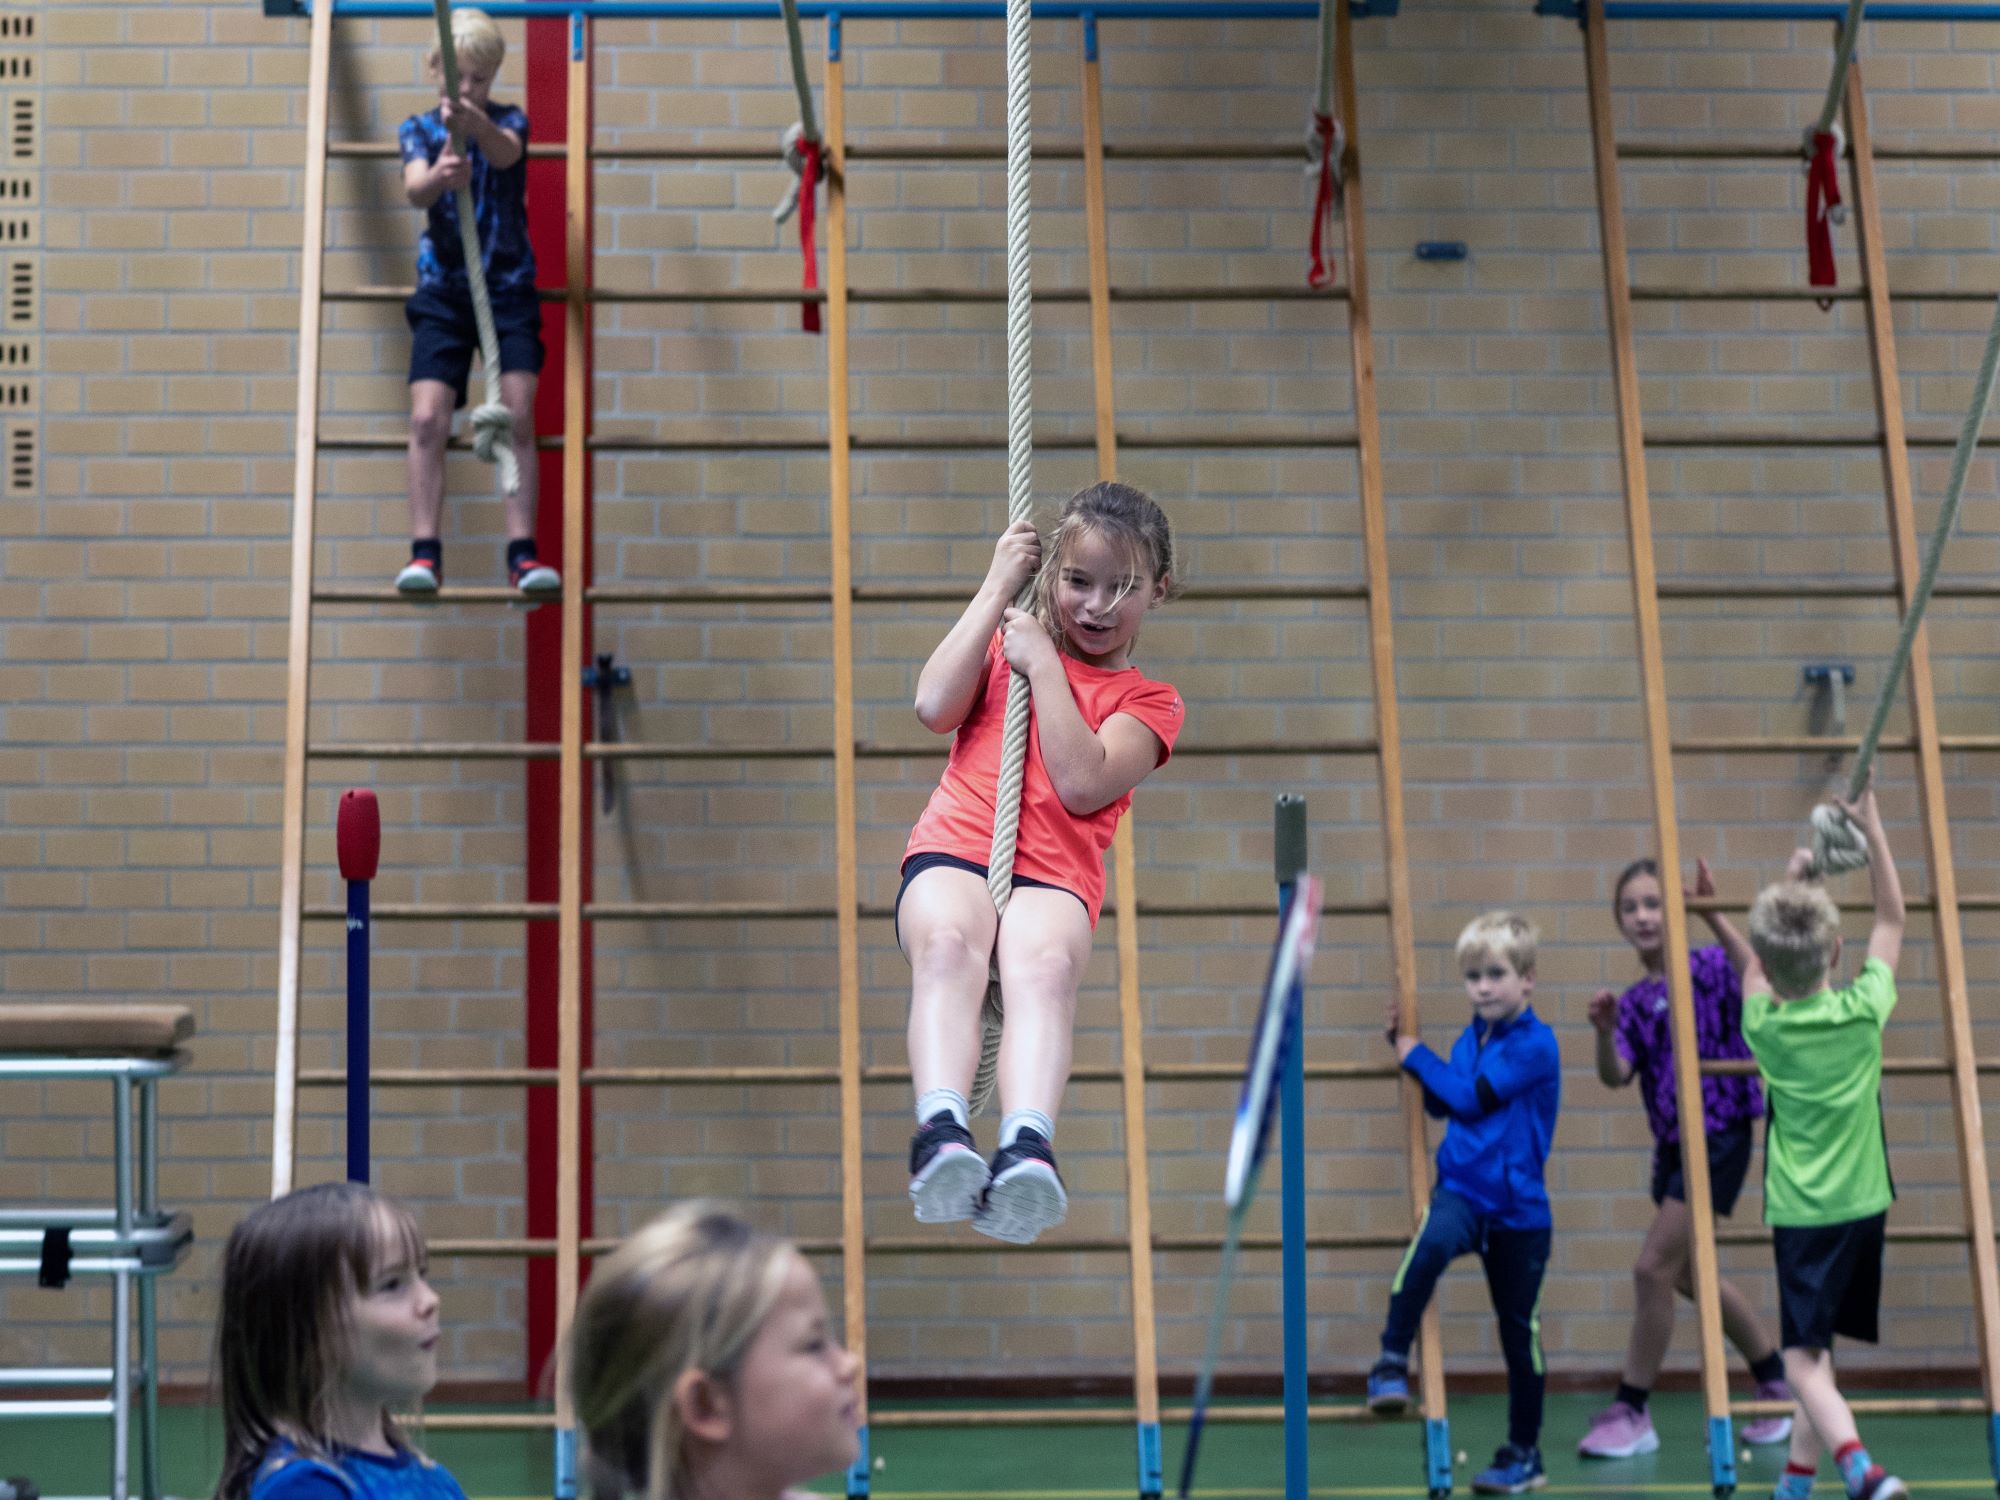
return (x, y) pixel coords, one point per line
(1646, 1040)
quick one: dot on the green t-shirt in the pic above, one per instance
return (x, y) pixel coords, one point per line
(1825, 1161)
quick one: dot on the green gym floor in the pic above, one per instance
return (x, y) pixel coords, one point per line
(1937, 1455)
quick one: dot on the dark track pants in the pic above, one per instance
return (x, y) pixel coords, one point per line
(1515, 1260)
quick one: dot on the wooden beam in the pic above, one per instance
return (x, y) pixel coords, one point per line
(576, 559)
(1382, 665)
(1653, 684)
(1125, 864)
(298, 646)
(853, 1210)
(1975, 1185)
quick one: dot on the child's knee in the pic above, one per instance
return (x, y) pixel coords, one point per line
(430, 423)
(944, 949)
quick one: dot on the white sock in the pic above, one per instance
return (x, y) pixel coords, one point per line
(933, 1100)
(1032, 1119)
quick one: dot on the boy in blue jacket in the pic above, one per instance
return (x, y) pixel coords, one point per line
(1499, 1092)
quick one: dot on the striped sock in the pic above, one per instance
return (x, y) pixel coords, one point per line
(1856, 1467)
(1794, 1484)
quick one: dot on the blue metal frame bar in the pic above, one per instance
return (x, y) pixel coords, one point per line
(873, 10)
(1770, 10)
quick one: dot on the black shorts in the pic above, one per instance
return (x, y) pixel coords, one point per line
(444, 334)
(1829, 1281)
(916, 864)
(1728, 1165)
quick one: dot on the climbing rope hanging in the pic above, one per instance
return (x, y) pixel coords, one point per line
(1020, 500)
(1824, 145)
(804, 154)
(492, 423)
(1325, 145)
(1837, 844)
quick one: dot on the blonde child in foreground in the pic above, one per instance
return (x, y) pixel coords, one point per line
(704, 1367)
(1826, 1165)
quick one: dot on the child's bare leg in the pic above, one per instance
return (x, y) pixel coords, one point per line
(1044, 946)
(431, 403)
(945, 927)
(1660, 1269)
(517, 392)
(1824, 1418)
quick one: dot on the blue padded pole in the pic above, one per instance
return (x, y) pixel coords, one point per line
(357, 842)
(857, 1472)
(885, 10)
(357, 1031)
(1290, 844)
(566, 1483)
(1771, 10)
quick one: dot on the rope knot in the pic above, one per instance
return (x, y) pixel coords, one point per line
(493, 441)
(1326, 145)
(1838, 845)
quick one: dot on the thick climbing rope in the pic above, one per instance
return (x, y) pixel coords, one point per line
(1020, 500)
(1824, 146)
(803, 151)
(1324, 148)
(492, 423)
(1837, 844)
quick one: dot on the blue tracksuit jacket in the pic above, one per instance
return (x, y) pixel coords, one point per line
(1499, 1091)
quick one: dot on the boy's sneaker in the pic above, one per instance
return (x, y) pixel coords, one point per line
(1621, 1430)
(1877, 1485)
(1026, 1194)
(947, 1173)
(419, 576)
(534, 578)
(1767, 1430)
(1515, 1471)
(1388, 1388)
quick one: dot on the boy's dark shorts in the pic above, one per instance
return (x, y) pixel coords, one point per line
(1728, 1165)
(444, 334)
(1829, 1281)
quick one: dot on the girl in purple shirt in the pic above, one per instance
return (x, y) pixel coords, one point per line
(1635, 1041)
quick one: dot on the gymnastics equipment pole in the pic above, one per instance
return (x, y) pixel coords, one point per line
(358, 842)
(1289, 847)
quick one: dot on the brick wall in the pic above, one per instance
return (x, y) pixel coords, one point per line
(145, 592)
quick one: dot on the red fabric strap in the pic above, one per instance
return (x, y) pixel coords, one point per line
(1322, 270)
(808, 202)
(1822, 197)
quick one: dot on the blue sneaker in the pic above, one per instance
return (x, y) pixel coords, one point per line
(1515, 1471)
(1388, 1388)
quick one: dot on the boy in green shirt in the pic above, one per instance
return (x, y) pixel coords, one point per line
(1826, 1165)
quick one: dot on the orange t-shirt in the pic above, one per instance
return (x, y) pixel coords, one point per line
(1054, 844)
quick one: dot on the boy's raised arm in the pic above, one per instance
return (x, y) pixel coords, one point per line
(1885, 939)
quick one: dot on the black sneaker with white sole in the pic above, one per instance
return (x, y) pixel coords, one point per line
(1026, 1194)
(947, 1173)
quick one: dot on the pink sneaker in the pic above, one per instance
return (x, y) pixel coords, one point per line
(1766, 1430)
(1619, 1431)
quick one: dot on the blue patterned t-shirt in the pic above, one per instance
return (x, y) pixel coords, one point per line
(287, 1474)
(1645, 1037)
(499, 204)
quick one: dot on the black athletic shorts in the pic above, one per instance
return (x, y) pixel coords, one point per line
(444, 334)
(1728, 1165)
(916, 864)
(1829, 1281)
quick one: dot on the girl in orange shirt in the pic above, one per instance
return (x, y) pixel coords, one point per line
(1097, 728)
